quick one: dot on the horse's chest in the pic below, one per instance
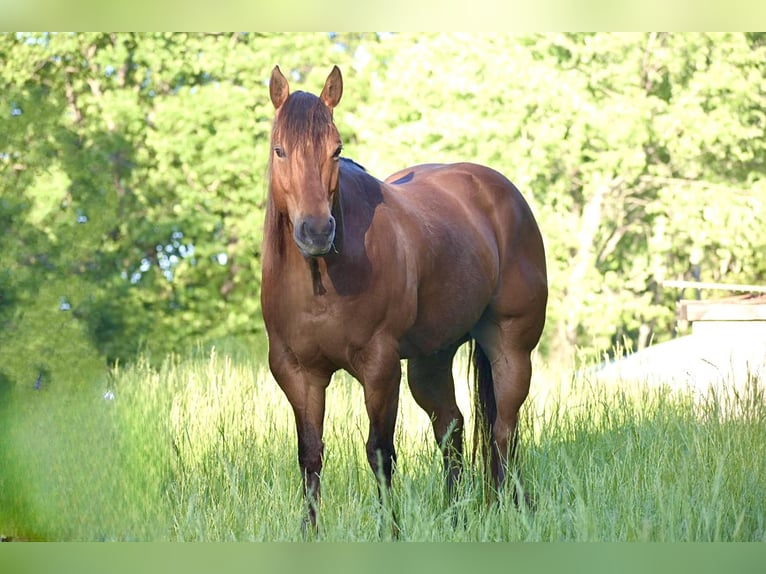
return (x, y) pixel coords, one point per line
(315, 318)
(338, 307)
(321, 332)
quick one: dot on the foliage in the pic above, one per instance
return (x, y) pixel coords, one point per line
(133, 169)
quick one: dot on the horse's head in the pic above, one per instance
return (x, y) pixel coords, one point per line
(305, 148)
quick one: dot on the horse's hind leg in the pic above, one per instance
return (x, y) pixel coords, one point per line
(433, 388)
(508, 344)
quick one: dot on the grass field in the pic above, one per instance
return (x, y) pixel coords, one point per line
(203, 448)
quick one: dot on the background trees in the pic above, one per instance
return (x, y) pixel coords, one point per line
(132, 173)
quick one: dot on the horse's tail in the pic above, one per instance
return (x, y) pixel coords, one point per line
(485, 407)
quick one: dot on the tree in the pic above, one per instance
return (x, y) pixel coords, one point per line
(133, 172)
(600, 131)
(133, 179)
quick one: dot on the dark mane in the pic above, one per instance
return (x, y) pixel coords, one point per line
(273, 221)
(351, 162)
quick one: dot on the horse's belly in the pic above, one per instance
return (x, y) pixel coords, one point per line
(441, 324)
(417, 345)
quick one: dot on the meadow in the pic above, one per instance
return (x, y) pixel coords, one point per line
(202, 448)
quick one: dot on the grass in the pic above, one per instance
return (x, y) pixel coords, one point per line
(204, 448)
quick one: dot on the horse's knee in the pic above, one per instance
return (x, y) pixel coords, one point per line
(449, 431)
(310, 454)
(503, 432)
(311, 462)
(381, 459)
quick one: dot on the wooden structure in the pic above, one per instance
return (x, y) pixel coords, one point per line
(727, 346)
(741, 315)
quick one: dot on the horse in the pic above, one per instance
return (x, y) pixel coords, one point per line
(358, 274)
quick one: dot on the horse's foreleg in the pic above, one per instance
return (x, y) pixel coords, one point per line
(381, 401)
(306, 393)
(380, 374)
(309, 424)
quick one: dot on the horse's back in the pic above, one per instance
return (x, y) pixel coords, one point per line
(469, 194)
(465, 181)
(408, 174)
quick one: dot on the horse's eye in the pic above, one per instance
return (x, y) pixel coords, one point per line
(337, 152)
(279, 151)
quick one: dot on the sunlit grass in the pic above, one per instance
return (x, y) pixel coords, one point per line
(204, 448)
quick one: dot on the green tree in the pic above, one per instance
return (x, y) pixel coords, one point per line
(634, 150)
(133, 172)
(133, 178)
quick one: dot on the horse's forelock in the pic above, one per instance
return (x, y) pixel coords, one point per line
(302, 121)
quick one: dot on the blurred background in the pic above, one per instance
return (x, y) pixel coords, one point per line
(133, 175)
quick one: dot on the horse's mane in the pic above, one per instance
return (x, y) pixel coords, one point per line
(350, 162)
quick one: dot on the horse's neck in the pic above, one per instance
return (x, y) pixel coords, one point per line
(337, 213)
(357, 196)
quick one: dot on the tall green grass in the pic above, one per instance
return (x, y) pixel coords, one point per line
(204, 448)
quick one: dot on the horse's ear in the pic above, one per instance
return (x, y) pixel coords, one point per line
(333, 88)
(278, 88)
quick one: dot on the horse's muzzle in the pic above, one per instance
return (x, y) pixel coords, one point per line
(314, 235)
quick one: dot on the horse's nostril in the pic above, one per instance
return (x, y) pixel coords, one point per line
(318, 228)
(315, 235)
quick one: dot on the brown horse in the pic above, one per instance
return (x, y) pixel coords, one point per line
(360, 273)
